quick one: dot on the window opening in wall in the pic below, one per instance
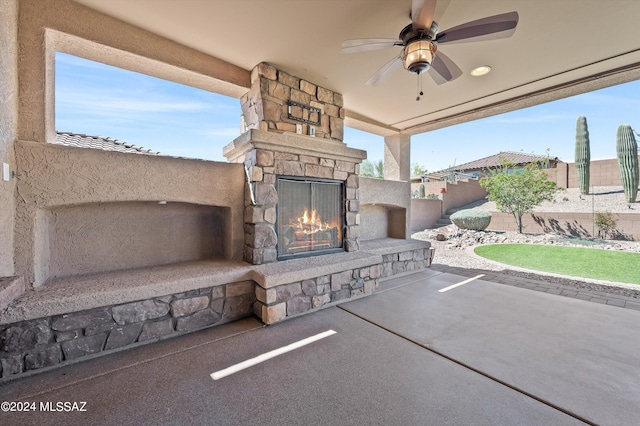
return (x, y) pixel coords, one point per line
(373, 165)
(122, 110)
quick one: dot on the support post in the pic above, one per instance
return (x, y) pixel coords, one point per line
(397, 157)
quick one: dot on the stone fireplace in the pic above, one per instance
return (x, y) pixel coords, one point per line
(302, 213)
(302, 195)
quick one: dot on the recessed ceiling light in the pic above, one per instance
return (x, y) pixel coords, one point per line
(480, 71)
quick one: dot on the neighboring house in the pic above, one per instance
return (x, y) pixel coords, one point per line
(100, 142)
(461, 182)
(477, 168)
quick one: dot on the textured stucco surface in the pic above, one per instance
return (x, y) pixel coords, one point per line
(8, 126)
(397, 157)
(131, 235)
(385, 208)
(374, 222)
(113, 288)
(424, 213)
(53, 176)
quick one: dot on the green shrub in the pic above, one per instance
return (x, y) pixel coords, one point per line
(605, 222)
(475, 219)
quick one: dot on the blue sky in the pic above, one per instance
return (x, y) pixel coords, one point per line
(101, 100)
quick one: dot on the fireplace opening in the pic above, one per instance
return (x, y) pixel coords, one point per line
(310, 216)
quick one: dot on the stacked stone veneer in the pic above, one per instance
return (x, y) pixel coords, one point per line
(267, 155)
(46, 342)
(278, 302)
(266, 105)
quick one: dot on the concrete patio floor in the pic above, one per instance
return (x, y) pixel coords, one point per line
(478, 354)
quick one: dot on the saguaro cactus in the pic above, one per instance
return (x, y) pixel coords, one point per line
(583, 154)
(627, 150)
(421, 190)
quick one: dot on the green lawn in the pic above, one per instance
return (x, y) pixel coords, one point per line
(574, 261)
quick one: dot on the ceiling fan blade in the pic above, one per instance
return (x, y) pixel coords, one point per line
(384, 72)
(492, 28)
(422, 12)
(443, 69)
(367, 44)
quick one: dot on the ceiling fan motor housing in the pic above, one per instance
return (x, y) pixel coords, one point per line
(420, 49)
(418, 55)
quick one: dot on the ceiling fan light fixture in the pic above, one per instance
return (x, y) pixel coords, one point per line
(418, 55)
(481, 70)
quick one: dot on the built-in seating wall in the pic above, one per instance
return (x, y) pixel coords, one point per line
(104, 237)
(91, 211)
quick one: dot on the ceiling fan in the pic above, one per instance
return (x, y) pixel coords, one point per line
(420, 40)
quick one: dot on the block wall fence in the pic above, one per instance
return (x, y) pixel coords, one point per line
(425, 213)
(601, 172)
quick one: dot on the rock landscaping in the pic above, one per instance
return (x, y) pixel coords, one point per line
(454, 248)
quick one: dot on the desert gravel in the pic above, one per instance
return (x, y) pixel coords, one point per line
(457, 248)
(601, 199)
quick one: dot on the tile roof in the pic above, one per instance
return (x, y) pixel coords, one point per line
(517, 158)
(492, 161)
(100, 142)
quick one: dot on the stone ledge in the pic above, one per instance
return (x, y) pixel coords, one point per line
(391, 245)
(288, 271)
(61, 296)
(291, 143)
(10, 289)
(370, 253)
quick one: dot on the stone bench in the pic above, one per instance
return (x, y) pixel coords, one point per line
(61, 296)
(84, 316)
(81, 317)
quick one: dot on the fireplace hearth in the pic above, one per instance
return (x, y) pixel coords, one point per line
(310, 216)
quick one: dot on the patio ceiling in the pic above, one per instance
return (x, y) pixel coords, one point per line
(560, 48)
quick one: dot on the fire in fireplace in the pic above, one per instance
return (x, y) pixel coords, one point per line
(310, 216)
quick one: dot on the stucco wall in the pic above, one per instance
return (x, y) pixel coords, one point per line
(462, 193)
(8, 127)
(424, 213)
(384, 209)
(54, 176)
(457, 194)
(577, 224)
(110, 236)
(601, 173)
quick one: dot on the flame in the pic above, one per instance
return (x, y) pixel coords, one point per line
(310, 223)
